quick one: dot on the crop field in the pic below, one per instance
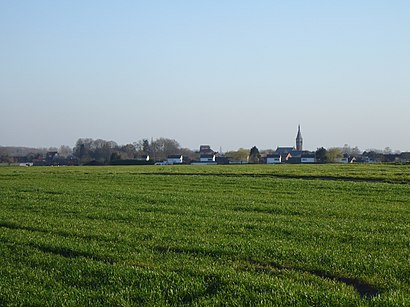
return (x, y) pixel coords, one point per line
(290, 235)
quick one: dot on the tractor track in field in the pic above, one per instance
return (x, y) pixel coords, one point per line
(310, 177)
(364, 289)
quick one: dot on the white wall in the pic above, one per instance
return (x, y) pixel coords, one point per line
(174, 161)
(273, 160)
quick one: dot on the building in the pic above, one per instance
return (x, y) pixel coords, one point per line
(294, 151)
(221, 159)
(205, 150)
(273, 159)
(346, 159)
(207, 158)
(144, 158)
(308, 157)
(284, 150)
(175, 159)
(292, 155)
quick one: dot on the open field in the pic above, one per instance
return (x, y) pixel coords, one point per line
(205, 235)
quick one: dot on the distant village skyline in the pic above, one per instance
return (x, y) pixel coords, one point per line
(276, 140)
(298, 145)
(165, 151)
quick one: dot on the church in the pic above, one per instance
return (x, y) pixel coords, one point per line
(292, 155)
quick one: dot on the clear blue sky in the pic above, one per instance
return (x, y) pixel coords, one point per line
(225, 73)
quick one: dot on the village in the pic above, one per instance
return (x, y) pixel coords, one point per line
(168, 152)
(291, 155)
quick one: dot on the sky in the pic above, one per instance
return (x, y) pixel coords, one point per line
(226, 73)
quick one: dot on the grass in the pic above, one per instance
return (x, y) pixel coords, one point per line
(205, 235)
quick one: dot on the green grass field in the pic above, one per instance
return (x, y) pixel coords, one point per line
(205, 235)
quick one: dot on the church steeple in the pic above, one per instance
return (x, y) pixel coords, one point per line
(299, 140)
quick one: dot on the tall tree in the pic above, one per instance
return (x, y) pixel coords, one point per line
(127, 151)
(64, 151)
(374, 155)
(241, 155)
(87, 150)
(356, 152)
(146, 148)
(103, 150)
(349, 151)
(161, 148)
(83, 150)
(254, 155)
(387, 151)
(333, 154)
(321, 155)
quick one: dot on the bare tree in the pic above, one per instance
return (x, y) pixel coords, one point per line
(163, 147)
(64, 151)
(128, 151)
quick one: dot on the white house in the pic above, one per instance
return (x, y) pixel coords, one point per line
(207, 158)
(273, 159)
(175, 159)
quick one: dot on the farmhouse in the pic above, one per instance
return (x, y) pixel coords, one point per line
(273, 159)
(175, 159)
(205, 150)
(207, 158)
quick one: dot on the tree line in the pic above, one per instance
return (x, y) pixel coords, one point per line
(101, 151)
(87, 150)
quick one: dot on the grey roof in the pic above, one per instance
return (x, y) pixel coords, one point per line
(273, 156)
(281, 150)
(207, 155)
(308, 155)
(174, 156)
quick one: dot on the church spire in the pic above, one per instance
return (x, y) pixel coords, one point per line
(299, 140)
